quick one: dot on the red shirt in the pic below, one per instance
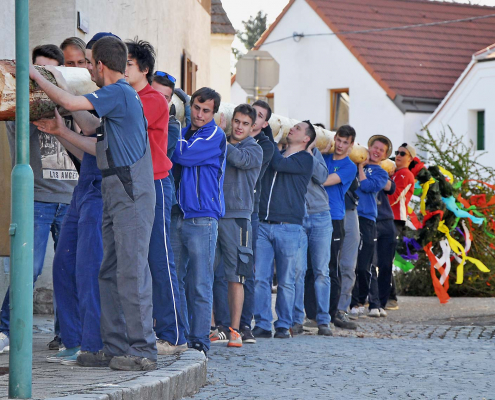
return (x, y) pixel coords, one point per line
(156, 112)
(404, 189)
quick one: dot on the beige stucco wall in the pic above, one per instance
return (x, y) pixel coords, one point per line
(221, 49)
(171, 26)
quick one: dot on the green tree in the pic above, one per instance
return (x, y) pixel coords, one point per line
(253, 29)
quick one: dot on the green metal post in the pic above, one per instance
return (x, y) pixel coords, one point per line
(22, 226)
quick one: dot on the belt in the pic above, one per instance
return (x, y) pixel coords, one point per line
(275, 222)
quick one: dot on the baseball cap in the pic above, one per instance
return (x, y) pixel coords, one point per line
(410, 148)
(98, 36)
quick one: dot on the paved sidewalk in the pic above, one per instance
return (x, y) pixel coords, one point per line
(176, 376)
(424, 350)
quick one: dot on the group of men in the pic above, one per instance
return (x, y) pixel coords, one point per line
(171, 237)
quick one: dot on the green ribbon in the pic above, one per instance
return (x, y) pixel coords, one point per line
(404, 265)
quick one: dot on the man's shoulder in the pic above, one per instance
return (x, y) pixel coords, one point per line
(152, 95)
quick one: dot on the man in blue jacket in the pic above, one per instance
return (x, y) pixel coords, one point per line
(372, 179)
(282, 209)
(199, 167)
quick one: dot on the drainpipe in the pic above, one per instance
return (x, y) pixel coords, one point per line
(22, 226)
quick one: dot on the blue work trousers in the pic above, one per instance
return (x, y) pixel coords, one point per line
(48, 218)
(168, 324)
(77, 263)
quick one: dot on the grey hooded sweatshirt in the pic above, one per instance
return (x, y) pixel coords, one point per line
(242, 169)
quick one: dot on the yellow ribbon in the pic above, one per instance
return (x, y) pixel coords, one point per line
(459, 250)
(426, 187)
(447, 173)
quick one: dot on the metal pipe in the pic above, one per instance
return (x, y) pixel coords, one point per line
(22, 226)
(256, 88)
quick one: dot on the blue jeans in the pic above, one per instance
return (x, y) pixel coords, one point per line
(48, 218)
(315, 251)
(166, 298)
(195, 242)
(279, 242)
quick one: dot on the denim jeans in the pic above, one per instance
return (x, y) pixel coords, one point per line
(279, 243)
(315, 253)
(195, 242)
(348, 259)
(48, 218)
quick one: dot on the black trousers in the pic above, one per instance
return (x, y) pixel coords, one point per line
(335, 276)
(386, 244)
(367, 229)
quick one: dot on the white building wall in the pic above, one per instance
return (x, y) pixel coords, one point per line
(237, 94)
(51, 21)
(314, 65)
(474, 93)
(413, 126)
(221, 49)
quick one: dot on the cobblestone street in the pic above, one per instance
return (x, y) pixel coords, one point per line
(417, 352)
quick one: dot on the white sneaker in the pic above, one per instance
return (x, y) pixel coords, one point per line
(361, 311)
(354, 313)
(4, 343)
(383, 313)
(374, 313)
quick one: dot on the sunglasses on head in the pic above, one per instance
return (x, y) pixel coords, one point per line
(164, 74)
(402, 153)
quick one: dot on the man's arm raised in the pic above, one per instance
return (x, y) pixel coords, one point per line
(60, 96)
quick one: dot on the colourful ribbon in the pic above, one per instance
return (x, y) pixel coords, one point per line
(426, 187)
(452, 206)
(401, 263)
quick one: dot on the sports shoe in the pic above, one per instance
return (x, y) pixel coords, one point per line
(165, 348)
(4, 343)
(282, 333)
(324, 330)
(247, 335)
(220, 334)
(261, 333)
(341, 320)
(354, 314)
(235, 339)
(71, 360)
(374, 313)
(63, 354)
(297, 329)
(56, 344)
(132, 363)
(93, 360)
(392, 305)
(383, 313)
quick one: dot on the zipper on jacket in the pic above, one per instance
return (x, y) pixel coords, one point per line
(270, 196)
(197, 186)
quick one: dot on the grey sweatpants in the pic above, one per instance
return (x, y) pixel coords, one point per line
(348, 258)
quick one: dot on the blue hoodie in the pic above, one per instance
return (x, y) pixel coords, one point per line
(199, 162)
(376, 179)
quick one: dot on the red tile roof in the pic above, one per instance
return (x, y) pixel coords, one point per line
(422, 62)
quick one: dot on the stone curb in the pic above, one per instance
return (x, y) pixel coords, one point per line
(183, 378)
